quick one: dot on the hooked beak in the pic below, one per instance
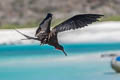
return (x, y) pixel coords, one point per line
(64, 52)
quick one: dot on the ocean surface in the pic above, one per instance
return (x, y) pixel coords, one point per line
(35, 62)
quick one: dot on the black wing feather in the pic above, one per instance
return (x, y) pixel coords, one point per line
(44, 26)
(77, 21)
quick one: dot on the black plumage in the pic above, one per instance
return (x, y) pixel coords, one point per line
(47, 36)
(77, 21)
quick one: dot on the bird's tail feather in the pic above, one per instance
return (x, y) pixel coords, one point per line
(28, 37)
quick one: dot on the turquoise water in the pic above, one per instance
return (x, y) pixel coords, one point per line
(34, 62)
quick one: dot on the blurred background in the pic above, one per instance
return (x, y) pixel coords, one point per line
(27, 60)
(30, 12)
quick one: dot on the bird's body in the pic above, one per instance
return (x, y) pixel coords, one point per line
(47, 36)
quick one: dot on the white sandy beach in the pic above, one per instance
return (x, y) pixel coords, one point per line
(99, 32)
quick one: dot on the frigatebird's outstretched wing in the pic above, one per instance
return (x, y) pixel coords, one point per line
(44, 26)
(75, 22)
(28, 37)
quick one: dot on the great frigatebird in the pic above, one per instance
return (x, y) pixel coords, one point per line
(47, 36)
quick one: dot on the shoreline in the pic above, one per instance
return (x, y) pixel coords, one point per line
(102, 32)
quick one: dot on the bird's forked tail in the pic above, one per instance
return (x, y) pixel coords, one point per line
(28, 37)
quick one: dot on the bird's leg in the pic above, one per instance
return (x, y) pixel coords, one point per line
(42, 43)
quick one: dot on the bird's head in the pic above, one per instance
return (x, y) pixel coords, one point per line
(59, 47)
